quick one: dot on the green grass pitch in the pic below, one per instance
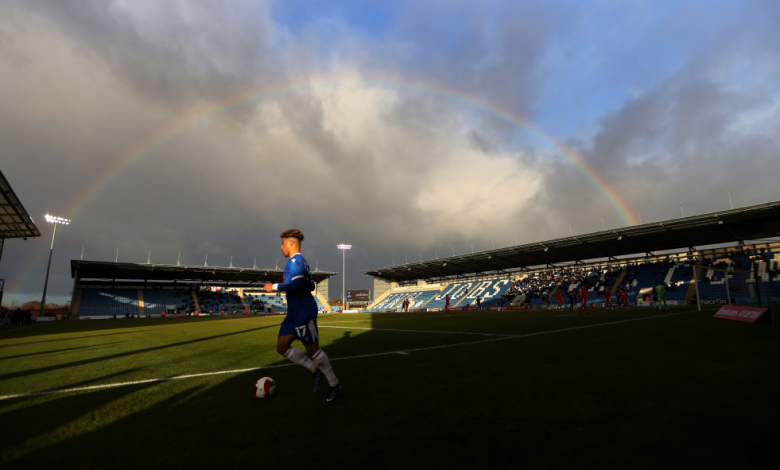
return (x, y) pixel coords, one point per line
(633, 388)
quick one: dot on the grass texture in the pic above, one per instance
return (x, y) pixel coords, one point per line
(634, 388)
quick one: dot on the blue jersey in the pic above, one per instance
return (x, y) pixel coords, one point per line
(298, 285)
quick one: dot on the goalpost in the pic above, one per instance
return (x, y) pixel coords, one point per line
(739, 286)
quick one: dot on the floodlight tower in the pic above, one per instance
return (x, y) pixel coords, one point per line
(344, 249)
(56, 221)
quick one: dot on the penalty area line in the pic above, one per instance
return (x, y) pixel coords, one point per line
(363, 356)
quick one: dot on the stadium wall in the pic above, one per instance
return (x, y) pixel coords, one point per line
(322, 290)
(381, 288)
(421, 285)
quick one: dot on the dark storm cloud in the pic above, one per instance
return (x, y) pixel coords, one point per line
(174, 52)
(490, 49)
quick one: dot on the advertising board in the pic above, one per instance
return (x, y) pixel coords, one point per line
(746, 314)
(361, 295)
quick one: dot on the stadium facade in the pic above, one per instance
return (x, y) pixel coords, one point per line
(108, 289)
(634, 258)
(15, 222)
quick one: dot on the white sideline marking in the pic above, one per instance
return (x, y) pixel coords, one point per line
(411, 331)
(403, 351)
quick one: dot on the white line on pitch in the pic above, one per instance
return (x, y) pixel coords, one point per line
(411, 331)
(238, 371)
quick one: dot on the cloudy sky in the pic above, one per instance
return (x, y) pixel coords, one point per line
(206, 127)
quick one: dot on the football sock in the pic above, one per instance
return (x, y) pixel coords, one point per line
(322, 360)
(298, 357)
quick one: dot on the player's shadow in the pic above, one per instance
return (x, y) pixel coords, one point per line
(338, 341)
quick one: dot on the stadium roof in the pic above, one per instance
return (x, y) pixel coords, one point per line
(167, 272)
(745, 223)
(14, 220)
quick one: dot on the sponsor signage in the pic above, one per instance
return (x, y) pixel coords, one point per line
(516, 307)
(714, 302)
(746, 314)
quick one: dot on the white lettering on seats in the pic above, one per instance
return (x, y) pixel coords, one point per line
(497, 288)
(480, 290)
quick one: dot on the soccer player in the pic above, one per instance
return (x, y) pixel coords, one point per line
(608, 299)
(660, 291)
(301, 320)
(583, 299)
(559, 298)
(623, 298)
(479, 302)
(447, 305)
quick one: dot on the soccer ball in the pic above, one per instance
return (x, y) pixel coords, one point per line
(265, 388)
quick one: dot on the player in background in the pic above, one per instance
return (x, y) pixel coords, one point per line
(501, 303)
(447, 305)
(301, 320)
(623, 297)
(479, 302)
(559, 298)
(583, 299)
(406, 305)
(608, 299)
(660, 291)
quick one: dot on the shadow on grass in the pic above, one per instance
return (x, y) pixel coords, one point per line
(68, 339)
(216, 422)
(33, 421)
(547, 404)
(52, 328)
(124, 354)
(104, 378)
(89, 348)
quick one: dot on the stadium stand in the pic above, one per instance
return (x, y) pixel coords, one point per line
(489, 291)
(417, 299)
(457, 291)
(277, 301)
(156, 300)
(213, 301)
(390, 302)
(101, 302)
(676, 273)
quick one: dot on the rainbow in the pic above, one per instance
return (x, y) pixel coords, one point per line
(186, 121)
